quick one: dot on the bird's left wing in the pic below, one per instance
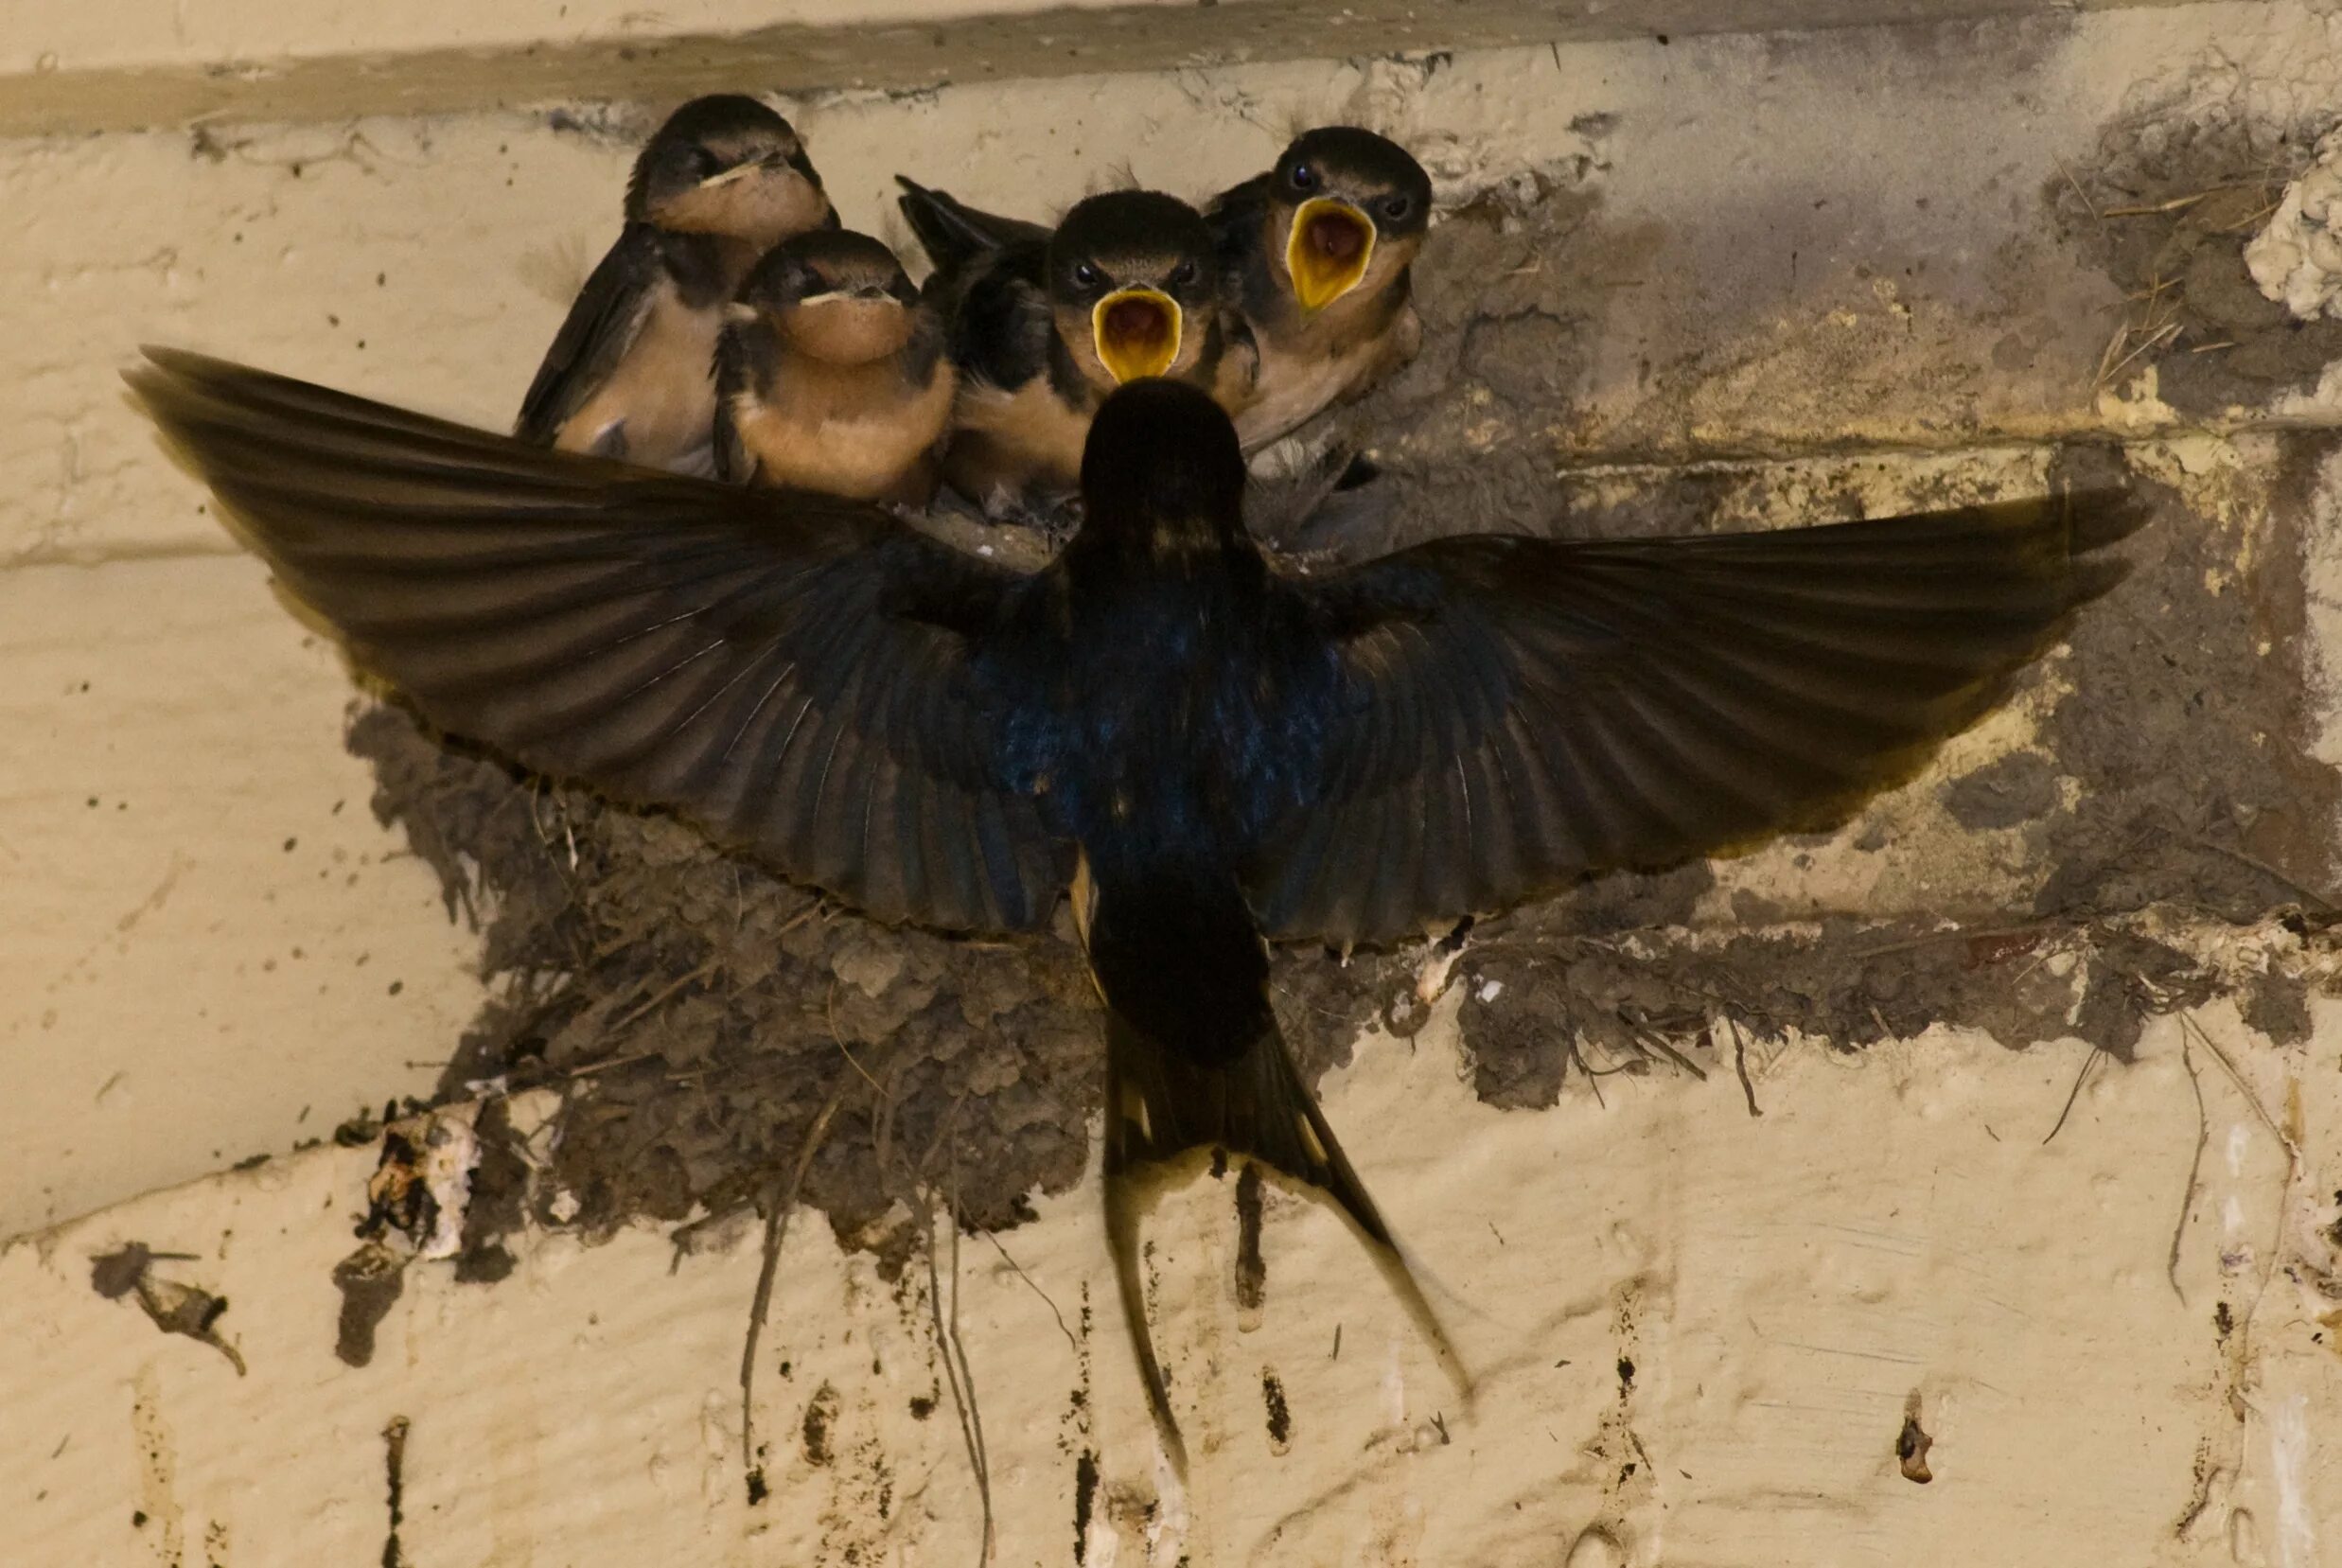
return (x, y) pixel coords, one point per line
(791, 670)
(604, 321)
(1510, 712)
(953, 233)
(1235, 217)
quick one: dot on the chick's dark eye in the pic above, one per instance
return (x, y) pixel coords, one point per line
(1183, 274)
(1303, 177)
(1397, 207)
(1085, 274)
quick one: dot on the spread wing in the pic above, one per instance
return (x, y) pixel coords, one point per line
(1517, 712)
(602, 325)
(791, 670)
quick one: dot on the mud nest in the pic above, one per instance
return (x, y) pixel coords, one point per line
(700, 1012)
(2166, 210)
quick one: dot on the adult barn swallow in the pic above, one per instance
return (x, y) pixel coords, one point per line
(631, 372)
(1042, 329)
(831, 374)
(1315, 254)
(1214, 753)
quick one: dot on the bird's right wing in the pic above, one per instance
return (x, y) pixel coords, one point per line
(791, 670)
(602, 325)
(1511, 712)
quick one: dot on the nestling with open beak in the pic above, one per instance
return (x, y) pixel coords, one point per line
(831, 374)
(631, 372)
(1315, 255)
(1042, 331)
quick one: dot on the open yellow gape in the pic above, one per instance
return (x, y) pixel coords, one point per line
(1137, 332)
(1327, 251)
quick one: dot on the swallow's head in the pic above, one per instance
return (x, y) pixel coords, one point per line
(1348, 211)
(1162, 469)
(1133, 285)
(835, 295)
(727, 165)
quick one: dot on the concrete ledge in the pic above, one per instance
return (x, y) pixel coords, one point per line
(378, 63)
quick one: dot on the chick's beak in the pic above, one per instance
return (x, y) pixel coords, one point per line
(723, 177)
(1327, 251)
(859, 293)
(771, 163)
(1137, 332)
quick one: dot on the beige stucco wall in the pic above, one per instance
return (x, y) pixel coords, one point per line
(213, 952)
(1783, 1293)
(128, 65)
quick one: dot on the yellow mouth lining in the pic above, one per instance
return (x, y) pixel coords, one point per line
(1319, 279)
(1129, 356)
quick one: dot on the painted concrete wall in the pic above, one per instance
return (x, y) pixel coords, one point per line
(124, 65)
(2117, 1340)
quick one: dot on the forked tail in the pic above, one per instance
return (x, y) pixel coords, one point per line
(1194, 1060)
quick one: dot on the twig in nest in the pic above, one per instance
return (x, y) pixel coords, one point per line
(1578, 1054)
(666, 993)
(1650, 1039)
(2253, 217)
(776, 1229)
(1740, 1061)
(2153, 341)
(2236, 1076)
(1956, 934)
(2177, 203)
(944, 1130)
(2256, 863)
(1029, 1279)
(830, 1014)
(569, 833)
(2295, 1165)
(2195, 1165)
(2075, 1093)
(2114, 347)
(2087, 203)
(882, 1127)
(813, 906)
(956, 1369)
(610, 1064)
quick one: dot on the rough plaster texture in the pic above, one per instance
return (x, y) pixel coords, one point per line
(2117, 1341)
(1699, 1337)
(123, 64)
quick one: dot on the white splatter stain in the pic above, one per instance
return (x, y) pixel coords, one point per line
(2289, 1456)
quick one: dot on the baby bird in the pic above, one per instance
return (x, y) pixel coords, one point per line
(630, 374)
(1315, 255)
(1044, 326)
(831, 374)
